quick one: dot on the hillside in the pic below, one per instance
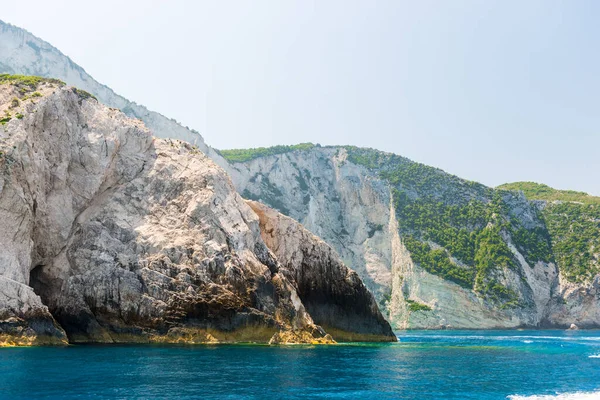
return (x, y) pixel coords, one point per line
(436, 249)
(539, 191)
(573, 221)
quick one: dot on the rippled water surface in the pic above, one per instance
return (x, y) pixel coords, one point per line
(423, 365)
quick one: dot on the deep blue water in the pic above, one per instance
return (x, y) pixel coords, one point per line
(423, 365)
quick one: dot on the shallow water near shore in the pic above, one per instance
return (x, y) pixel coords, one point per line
(423, 365)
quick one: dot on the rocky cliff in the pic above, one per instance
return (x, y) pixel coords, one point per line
(333, 294)
(437, 251)
(111, 235)
(25, 54)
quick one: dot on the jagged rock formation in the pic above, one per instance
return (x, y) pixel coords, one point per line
(25, 54)
(125, 237)
(333, 294)
(437, 251)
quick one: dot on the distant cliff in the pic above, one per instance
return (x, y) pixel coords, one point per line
(111, 235)
(437, 250)
(25, 54)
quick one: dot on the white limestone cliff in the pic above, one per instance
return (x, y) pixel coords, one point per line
(128, 238)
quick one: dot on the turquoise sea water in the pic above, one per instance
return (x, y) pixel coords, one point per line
(423, 365)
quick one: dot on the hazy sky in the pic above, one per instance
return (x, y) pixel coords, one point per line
(490, 91)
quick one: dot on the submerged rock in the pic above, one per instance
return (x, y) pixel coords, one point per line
(128, 238)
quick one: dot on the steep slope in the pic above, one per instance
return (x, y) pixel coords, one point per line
(573, 221)
(539, 191)
(438, 251)
(23, 53)
(324, 282)
(124, 237)
(337, 201)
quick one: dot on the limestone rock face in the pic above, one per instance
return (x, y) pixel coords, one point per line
(125, 237)
(342, 203)
(332, 293)
(351, 208)
(576, 304)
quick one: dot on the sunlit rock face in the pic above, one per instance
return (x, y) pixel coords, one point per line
(112, 235)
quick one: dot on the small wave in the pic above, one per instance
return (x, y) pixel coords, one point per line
(560, 396)
(594, 356)
(504, 338)
(527, 341)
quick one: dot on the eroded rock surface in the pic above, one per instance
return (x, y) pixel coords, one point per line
(128, 238)
(332, 293)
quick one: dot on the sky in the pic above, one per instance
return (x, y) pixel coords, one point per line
(492, 91)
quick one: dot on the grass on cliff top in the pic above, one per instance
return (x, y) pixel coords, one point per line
(25, 80)
(83, 94)
(573, 225)
(428, 181)
(244, 155)
(539, 191)
(28, 84)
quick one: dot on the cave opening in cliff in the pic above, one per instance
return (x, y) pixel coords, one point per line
(37, 281)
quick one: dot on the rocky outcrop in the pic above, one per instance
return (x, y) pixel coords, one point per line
(575, 304)
(128, 238)
(332, 293)
(24, 320)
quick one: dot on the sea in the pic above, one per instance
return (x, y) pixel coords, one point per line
(515, 365)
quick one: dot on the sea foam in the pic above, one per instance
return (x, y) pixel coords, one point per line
(560, 396)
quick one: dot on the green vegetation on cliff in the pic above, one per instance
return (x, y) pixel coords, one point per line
(437, 261)
(539, 191)
(458, 229)
(575, 231)
(243, 155)
(27, 81)
(405, 174)
(415, 306)
(83, 94)
(573, 221)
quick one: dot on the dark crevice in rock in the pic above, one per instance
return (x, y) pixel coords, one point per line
(333, 295)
